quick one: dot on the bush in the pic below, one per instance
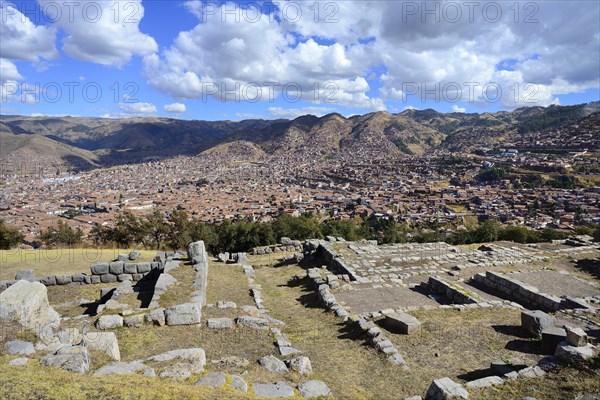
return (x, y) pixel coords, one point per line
(9, 237)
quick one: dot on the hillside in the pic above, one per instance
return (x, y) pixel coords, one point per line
(86, 142)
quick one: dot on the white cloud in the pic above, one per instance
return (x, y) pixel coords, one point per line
(458, 109)
(22, 39)
(291, 113)
(175, 108)
(138, 108)
(350, 41)
(225, 60)
(8, 71)
(103, 32)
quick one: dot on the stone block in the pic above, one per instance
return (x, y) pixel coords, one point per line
(124, 277)
(130, 268)
(116, 267)
(63, 279)
(94, 279)
(109, 322)
(99, 269)
(576, 336)
(445, 388)
(78, 278)
(143, 268)
(183, 314)
(551, 338)
(402, 322)
(535, 321)
(48, 280)
(108, 278)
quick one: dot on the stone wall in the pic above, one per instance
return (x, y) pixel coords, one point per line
(327, 256)
(519, 291)
(453, 292)
(104, 272)
(197, 253)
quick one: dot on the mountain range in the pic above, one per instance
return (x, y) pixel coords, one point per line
(85, 143)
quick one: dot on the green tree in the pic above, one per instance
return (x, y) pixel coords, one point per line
(9, 237)
(128, 230)
(489, 231)
(179, 235)
(156, 228)
(61, 235)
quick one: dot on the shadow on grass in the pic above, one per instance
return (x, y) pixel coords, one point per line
(524, 346)
(589, 266)
(477, 374)
(511, 330)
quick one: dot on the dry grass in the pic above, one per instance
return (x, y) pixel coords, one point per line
(568, 383)
(59, 261)
(37, 382)
(457, 343)
(227, 282)
(339, 358)
(65, 298)
(181, 292)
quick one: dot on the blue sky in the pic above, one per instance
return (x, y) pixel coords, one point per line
(216, 60)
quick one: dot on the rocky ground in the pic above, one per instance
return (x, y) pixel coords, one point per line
(270, 326)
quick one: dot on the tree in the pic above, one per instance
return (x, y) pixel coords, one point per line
(346, 228)
(198, 230)
(489, 231)
(128, 230)
(61, 235)
(179, 235)
(9, 237)
(156, 228)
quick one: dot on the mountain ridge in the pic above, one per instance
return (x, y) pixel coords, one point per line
(96, 142)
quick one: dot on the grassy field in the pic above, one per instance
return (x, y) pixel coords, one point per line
(59, 261)
(37, 382)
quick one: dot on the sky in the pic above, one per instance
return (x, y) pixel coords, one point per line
(240, 60)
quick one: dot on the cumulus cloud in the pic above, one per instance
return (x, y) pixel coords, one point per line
(175, 108)
(103, 32)
(454, 54)
(226, 60)
(458, 109)
(138, 108)
(291, 113)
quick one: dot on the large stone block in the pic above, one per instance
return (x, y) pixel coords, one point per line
(445, 388)
(69, 358)
(253, 322)
(109, 322)
(143, 268)
(402, 322)
(535, 321)
(156, 317)
(27, 303)
(103, 341)
(100, 268)
(314, 389)
(551, 338)
(183, 314)
(63, 279)
(108, 278)
(116, 267)
(130, 268)
(576, 336)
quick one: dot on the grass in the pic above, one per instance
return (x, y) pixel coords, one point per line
(569, 383)
(46, 262)
(455, 343)
(181, 292)
(339, 358)
(227, 282)
(37, 382)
